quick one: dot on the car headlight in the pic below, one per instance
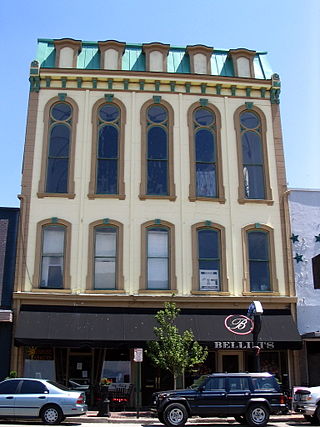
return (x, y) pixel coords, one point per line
(162, 395)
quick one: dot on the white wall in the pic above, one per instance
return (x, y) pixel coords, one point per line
(305, 222)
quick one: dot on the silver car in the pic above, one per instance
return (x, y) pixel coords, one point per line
(37, 398)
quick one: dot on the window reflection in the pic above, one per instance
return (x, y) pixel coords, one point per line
(259, 264)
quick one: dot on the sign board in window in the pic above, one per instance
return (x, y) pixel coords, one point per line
(209, 280)
(138, 355)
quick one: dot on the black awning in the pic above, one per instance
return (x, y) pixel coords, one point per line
(91, 328)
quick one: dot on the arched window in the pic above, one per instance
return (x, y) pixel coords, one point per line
(157, 152)
(105, 256)
(260, 273)
(205, 153)
(209, 262)
(107, 163)
(53, 257)
(57, 165)
(253, 160)
(108, 149)
(59, 148)
(157, 260)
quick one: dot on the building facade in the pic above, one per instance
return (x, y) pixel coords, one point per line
(9, 222)
(304, 208)
(151, 171)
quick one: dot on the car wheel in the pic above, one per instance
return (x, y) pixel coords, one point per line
(175, 415)
(52, 414)
(315, 419)
(257, 415)
(240, 419)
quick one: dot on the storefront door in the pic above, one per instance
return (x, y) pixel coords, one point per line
(230, 361)
(80, 367)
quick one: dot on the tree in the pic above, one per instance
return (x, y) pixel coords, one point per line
(174, 351)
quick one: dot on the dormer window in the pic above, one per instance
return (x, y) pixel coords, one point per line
(243, 62)
(156, 56)
(111, 53)
(67, 51)
(200, 59)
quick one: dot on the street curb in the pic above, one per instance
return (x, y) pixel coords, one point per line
(194, 420)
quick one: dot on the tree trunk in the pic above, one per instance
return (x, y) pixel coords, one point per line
(175, 381)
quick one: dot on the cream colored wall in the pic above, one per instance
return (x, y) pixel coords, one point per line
(132, 211)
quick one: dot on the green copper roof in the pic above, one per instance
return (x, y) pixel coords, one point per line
(133, 59)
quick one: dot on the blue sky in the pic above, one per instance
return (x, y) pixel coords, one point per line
(288, 29)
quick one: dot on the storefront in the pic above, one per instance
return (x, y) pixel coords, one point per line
(90, 344)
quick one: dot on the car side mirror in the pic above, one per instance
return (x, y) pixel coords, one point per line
(201, 388)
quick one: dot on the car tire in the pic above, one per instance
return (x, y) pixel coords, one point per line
(52, 414)
(175, 415)
(160, 418)
(315, 419)
(240, 419)
(257, 415)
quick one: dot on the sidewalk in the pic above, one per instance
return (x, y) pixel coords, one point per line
(150, 418)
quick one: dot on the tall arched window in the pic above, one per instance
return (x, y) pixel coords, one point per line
(57, 165)
(52, 260)
(157, 256)
(59, 148)
(205, 153)
(209, 261)
(107, 163)
(105, 256)
(157, 151)
(253, 159)
(108, 149)
(259, 258)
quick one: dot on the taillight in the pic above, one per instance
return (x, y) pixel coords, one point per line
(282, 400)
(80, 399)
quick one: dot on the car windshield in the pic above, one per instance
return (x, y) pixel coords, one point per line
(60, 386)
(198, 382)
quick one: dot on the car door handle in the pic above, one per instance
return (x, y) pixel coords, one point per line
(41, 397)
(9, 397)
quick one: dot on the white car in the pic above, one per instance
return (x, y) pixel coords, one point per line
(306, 401)
(37, 398)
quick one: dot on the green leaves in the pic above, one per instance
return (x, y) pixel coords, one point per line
(174, 351)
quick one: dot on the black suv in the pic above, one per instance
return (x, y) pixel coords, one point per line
(249, 398)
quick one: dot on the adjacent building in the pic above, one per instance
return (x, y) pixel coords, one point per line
(151, 172)
(305, 223)
(9, 222)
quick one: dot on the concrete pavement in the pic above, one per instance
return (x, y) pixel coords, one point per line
(127, 417)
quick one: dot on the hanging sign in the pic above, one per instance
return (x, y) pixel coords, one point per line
(138, 355)
(239, 324)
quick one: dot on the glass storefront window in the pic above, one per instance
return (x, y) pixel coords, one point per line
(118, 371)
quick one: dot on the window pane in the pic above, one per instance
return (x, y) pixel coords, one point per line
(258, 245)
(57, 176)
(59, 141)
(209, 265)
(157, 178)
(107, 177)
(157, 143)
(157, 243)
(33, 387)
(208, 243)
(61, 111)
(205, 147)
(253, 182)
(158, 273)
(106, 241)
(249, 120)
(52, 272)
(9, 387)
(204, 117)
(109, 112)
(206, 180)
(259, 276)
(108, 142)
(105, 273)
(251, 148)
(53, 240)
(157, 114)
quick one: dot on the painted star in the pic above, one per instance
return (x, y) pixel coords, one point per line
(317, 238)
(298, 258)
(294, 237)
